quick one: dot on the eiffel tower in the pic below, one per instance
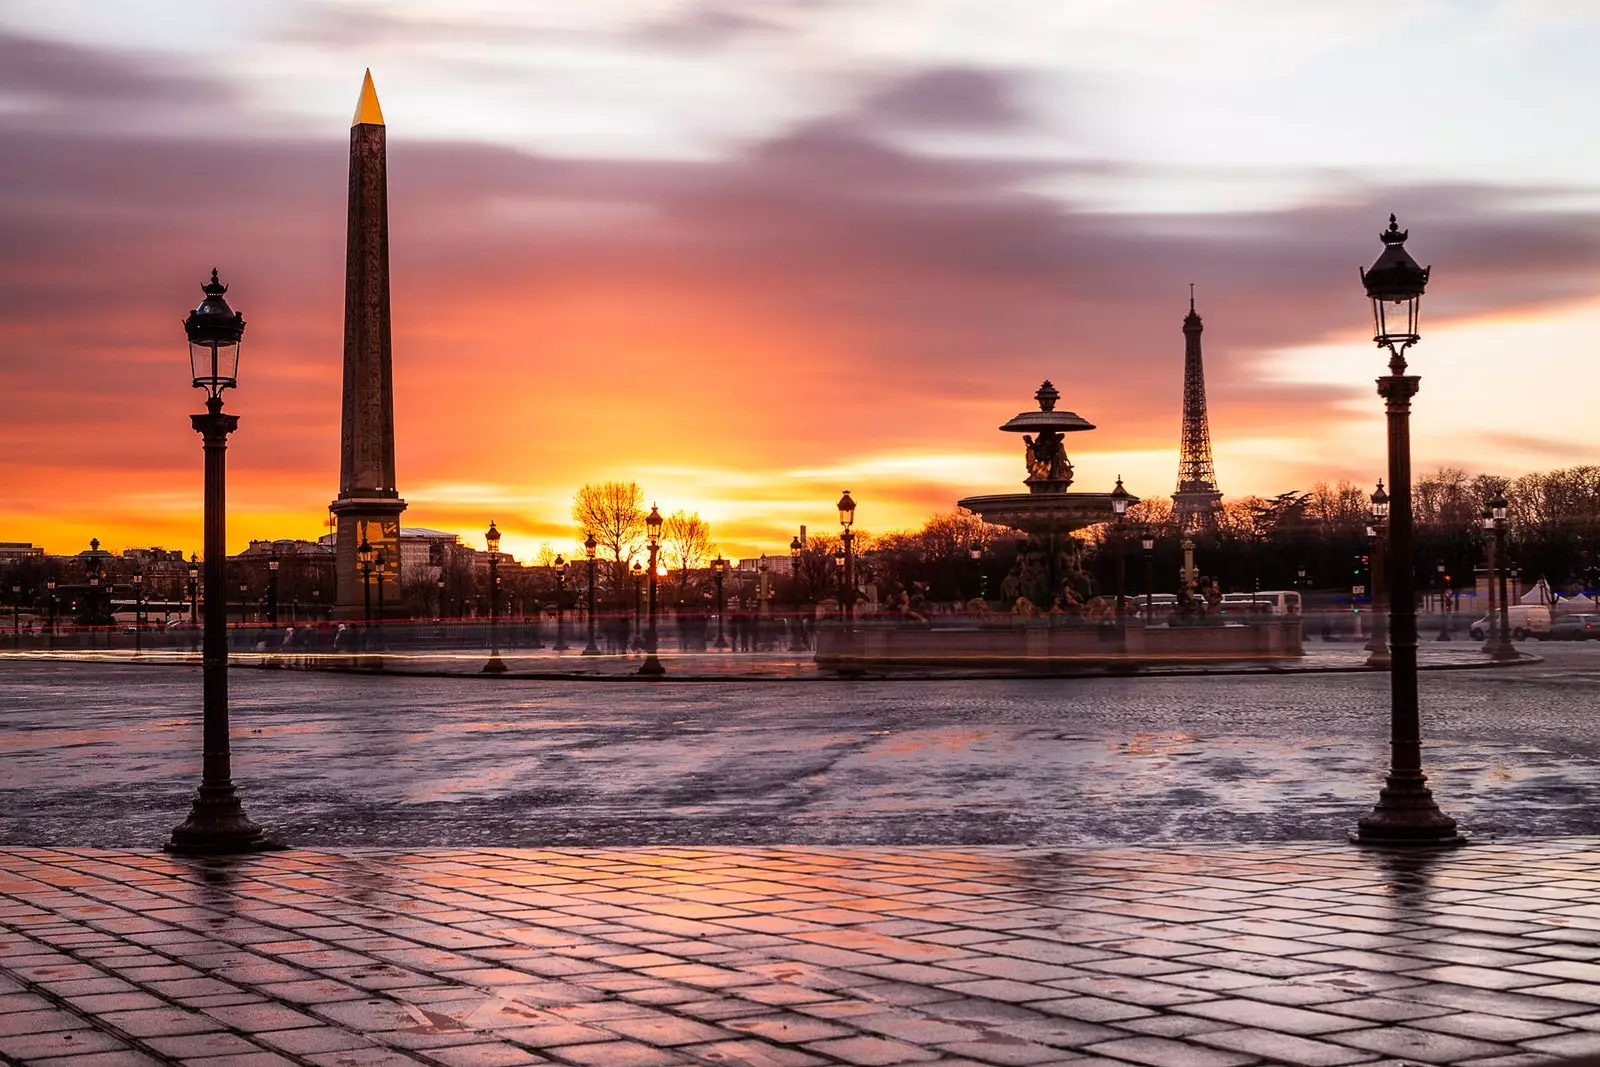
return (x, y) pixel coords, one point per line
(1196, 503)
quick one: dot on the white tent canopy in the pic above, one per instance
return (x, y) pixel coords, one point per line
(1538, 593)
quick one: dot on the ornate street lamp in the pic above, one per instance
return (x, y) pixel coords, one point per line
(1406, 813)
(795, 548)
(50, 587)
(719, 570)
(217, 822)
(1503, 651)
(847, 519)
(16, 615)
(1119, 507)
(1378, 646)
(1444, 600)
(1148, 543)
(561, 601)
(589, 545)
(491, 537)
(652, 667)
(379, 563)
(272, 586)
(138, 612)
(438, 584)
(366, 555)
(637, 573)
(194, 590)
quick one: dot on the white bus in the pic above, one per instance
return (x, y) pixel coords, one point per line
(1265, 602)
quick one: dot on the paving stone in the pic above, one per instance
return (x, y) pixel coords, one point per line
(1280, 1048)
(871, 1051)
(1409, 1043)
(1162, 1052)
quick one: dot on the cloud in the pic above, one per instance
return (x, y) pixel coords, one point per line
(949, 97)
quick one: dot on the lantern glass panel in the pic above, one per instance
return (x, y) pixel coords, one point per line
(215, 366)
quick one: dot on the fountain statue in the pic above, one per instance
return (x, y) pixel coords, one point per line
(1047, 569)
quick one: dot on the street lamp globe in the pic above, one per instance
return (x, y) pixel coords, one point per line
(1499, 508)
(1148, 543)
(589, 545)
(976, 551)
(216, 333)
(652, 524)
(794, 547)
(1120, 498)
(638, 569)
(1394, 284)
(1487, 518)
(1380, 504)
(365, 553)
(194, 567)
(561, 566)
(847, 510)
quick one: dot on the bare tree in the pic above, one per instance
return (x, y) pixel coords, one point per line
(686, 544)
(954, 533)
(614, 513)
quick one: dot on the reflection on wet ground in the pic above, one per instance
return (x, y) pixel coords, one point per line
(108, 755)
(1229, 956)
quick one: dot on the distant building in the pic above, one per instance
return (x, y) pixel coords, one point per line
(17, 550)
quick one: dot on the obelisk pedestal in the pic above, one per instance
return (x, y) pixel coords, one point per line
(368, 507)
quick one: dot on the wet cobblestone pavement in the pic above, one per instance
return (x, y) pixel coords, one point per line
(788, 957)
(108, 755)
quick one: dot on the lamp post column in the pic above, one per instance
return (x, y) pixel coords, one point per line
(272, 587)
(382, 564)
(796, 644)
(1149, 545)
(217, 822)
(16, 615)
(51, 625)
(495, 664)
(1378, 646)
(1405, 813)
(1503, 650)
(652, 664)
(138, 614)
(1444, 601)
(719, 567)
(561, 605)
(589, 546)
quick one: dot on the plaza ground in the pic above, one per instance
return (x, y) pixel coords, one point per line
(1219, 956)
(1088, 871)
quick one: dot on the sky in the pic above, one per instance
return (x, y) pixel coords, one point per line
(748, 253)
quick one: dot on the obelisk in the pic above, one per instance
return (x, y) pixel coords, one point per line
(369, 506)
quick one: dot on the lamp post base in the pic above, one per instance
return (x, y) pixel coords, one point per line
(1502, 652)
(652, 668)
(495, 665)
(1407, 817)
(218, 826)
(1379, 659)
(590, 649)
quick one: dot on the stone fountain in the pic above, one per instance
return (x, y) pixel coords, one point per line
(1047, 513)
(1017, 638)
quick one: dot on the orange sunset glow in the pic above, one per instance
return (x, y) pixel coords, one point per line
(765, 260)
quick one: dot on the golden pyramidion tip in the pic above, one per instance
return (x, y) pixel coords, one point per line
(368, 113)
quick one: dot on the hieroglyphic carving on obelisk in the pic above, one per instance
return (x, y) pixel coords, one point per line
(369, 505)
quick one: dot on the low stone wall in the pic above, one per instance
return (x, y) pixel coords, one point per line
(1037, 648)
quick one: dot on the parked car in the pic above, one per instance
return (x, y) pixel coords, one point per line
(1525, 619)
(1578, 627)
